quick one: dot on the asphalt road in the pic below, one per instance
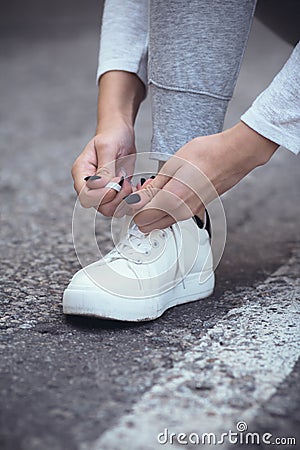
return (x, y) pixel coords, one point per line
(74, 383)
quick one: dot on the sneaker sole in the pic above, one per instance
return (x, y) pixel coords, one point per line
(89, 302)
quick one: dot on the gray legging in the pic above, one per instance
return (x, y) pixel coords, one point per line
(195, 48)
(195, 52)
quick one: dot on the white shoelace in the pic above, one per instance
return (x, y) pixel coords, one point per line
(132, 246)
(137, 243)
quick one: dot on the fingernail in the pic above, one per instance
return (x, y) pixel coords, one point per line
(87, 178)
(94, 177)
(143, 181)
(132, 198)
(121, 181)
(152, 177)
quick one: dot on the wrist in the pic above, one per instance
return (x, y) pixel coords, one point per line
(113, 121)
(254, 148)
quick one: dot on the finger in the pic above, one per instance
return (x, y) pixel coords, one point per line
(123, 208)
(184, 195)
(99, 179)
(92, 163)
(163, 222)
(80, 170)
(165, 201)
(106, 166)
(79, 184)
(111, 209)
(91, 198)
(152, 186)
(144, 183)
(93, 191)
(175, 200)
(136, 188)
(147, 192)
(125, 165)
(96, 197)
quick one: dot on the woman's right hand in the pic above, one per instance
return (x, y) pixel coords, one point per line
(110, 155)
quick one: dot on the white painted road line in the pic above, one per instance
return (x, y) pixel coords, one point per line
(226, 377)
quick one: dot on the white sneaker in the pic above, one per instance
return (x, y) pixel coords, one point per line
(145, 275)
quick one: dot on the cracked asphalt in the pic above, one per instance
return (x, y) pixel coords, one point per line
(65, 381)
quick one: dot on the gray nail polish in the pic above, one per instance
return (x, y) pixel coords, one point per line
(94, 177)
(133, 198)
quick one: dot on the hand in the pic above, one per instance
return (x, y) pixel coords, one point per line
(111, 152)
(202, 169)
(109, 155)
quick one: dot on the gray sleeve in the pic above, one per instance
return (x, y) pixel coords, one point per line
(124, 37)
(275, 113)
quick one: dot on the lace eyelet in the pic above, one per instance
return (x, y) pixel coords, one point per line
(155, 243)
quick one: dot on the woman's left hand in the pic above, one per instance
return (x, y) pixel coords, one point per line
(197, 173)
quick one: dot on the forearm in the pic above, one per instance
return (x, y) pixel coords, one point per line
(243, 150)
(248, 146)
(120, 95)
(275, 114)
